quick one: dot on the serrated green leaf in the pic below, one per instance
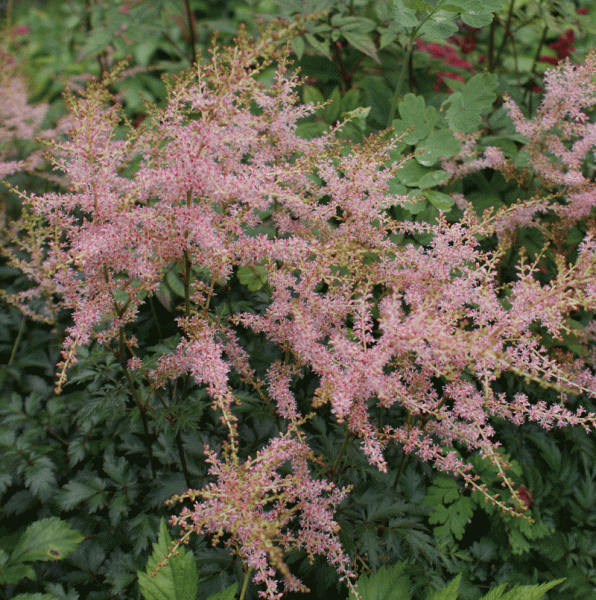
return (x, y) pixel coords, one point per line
(449, 592)
(530, 592)
(388, 583)
(322, 47)
(519, 544)
(40, 477)
(177, 580)
(437, 145)
(48, 539)
(362, 42)
(227, 594)
(454, 517)
(75, 492)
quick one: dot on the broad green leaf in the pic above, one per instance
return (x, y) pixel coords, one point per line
(48, 539)
(358, 117)
(417, 203)
(177, 580)
(418, 5)
(411, 173)
(175, 283)
(441, 201)
(438, 144)
(438, 30)
(417, 117)
(311, 95)
(433, 178)
(468, 104)
(297, 44)
(350, 100)
(396, 188)
(402, 15)
(388, 583)
(311, 130)
(332, 110)
(227, 594)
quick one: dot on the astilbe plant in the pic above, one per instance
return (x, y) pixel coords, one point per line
(424, 331)
(19, 120)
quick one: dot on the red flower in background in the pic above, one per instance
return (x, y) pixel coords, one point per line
(563, 47)
(450, 57)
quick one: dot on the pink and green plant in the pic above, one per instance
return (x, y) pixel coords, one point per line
(217, 189)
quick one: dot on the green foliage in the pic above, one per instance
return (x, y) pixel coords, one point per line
(50, 539)
(467, 105)
(177, 579)
(389, 583)
(452, 509)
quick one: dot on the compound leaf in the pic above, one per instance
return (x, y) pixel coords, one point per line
(386, 584)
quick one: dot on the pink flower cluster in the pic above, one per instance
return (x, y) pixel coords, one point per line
(19, 120)
(251, 506)
(218, 180)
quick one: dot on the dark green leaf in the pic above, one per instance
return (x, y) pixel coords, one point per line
(227, 594)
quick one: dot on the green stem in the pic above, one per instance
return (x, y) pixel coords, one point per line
(143, 412)
(183, 459)
(245, 583)
(341, 452)
(400, 470)
(402, 77)
(507, 32)
(17, 342)
(155, 319)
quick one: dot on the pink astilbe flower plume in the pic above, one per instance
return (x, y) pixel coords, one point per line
(218, 181)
